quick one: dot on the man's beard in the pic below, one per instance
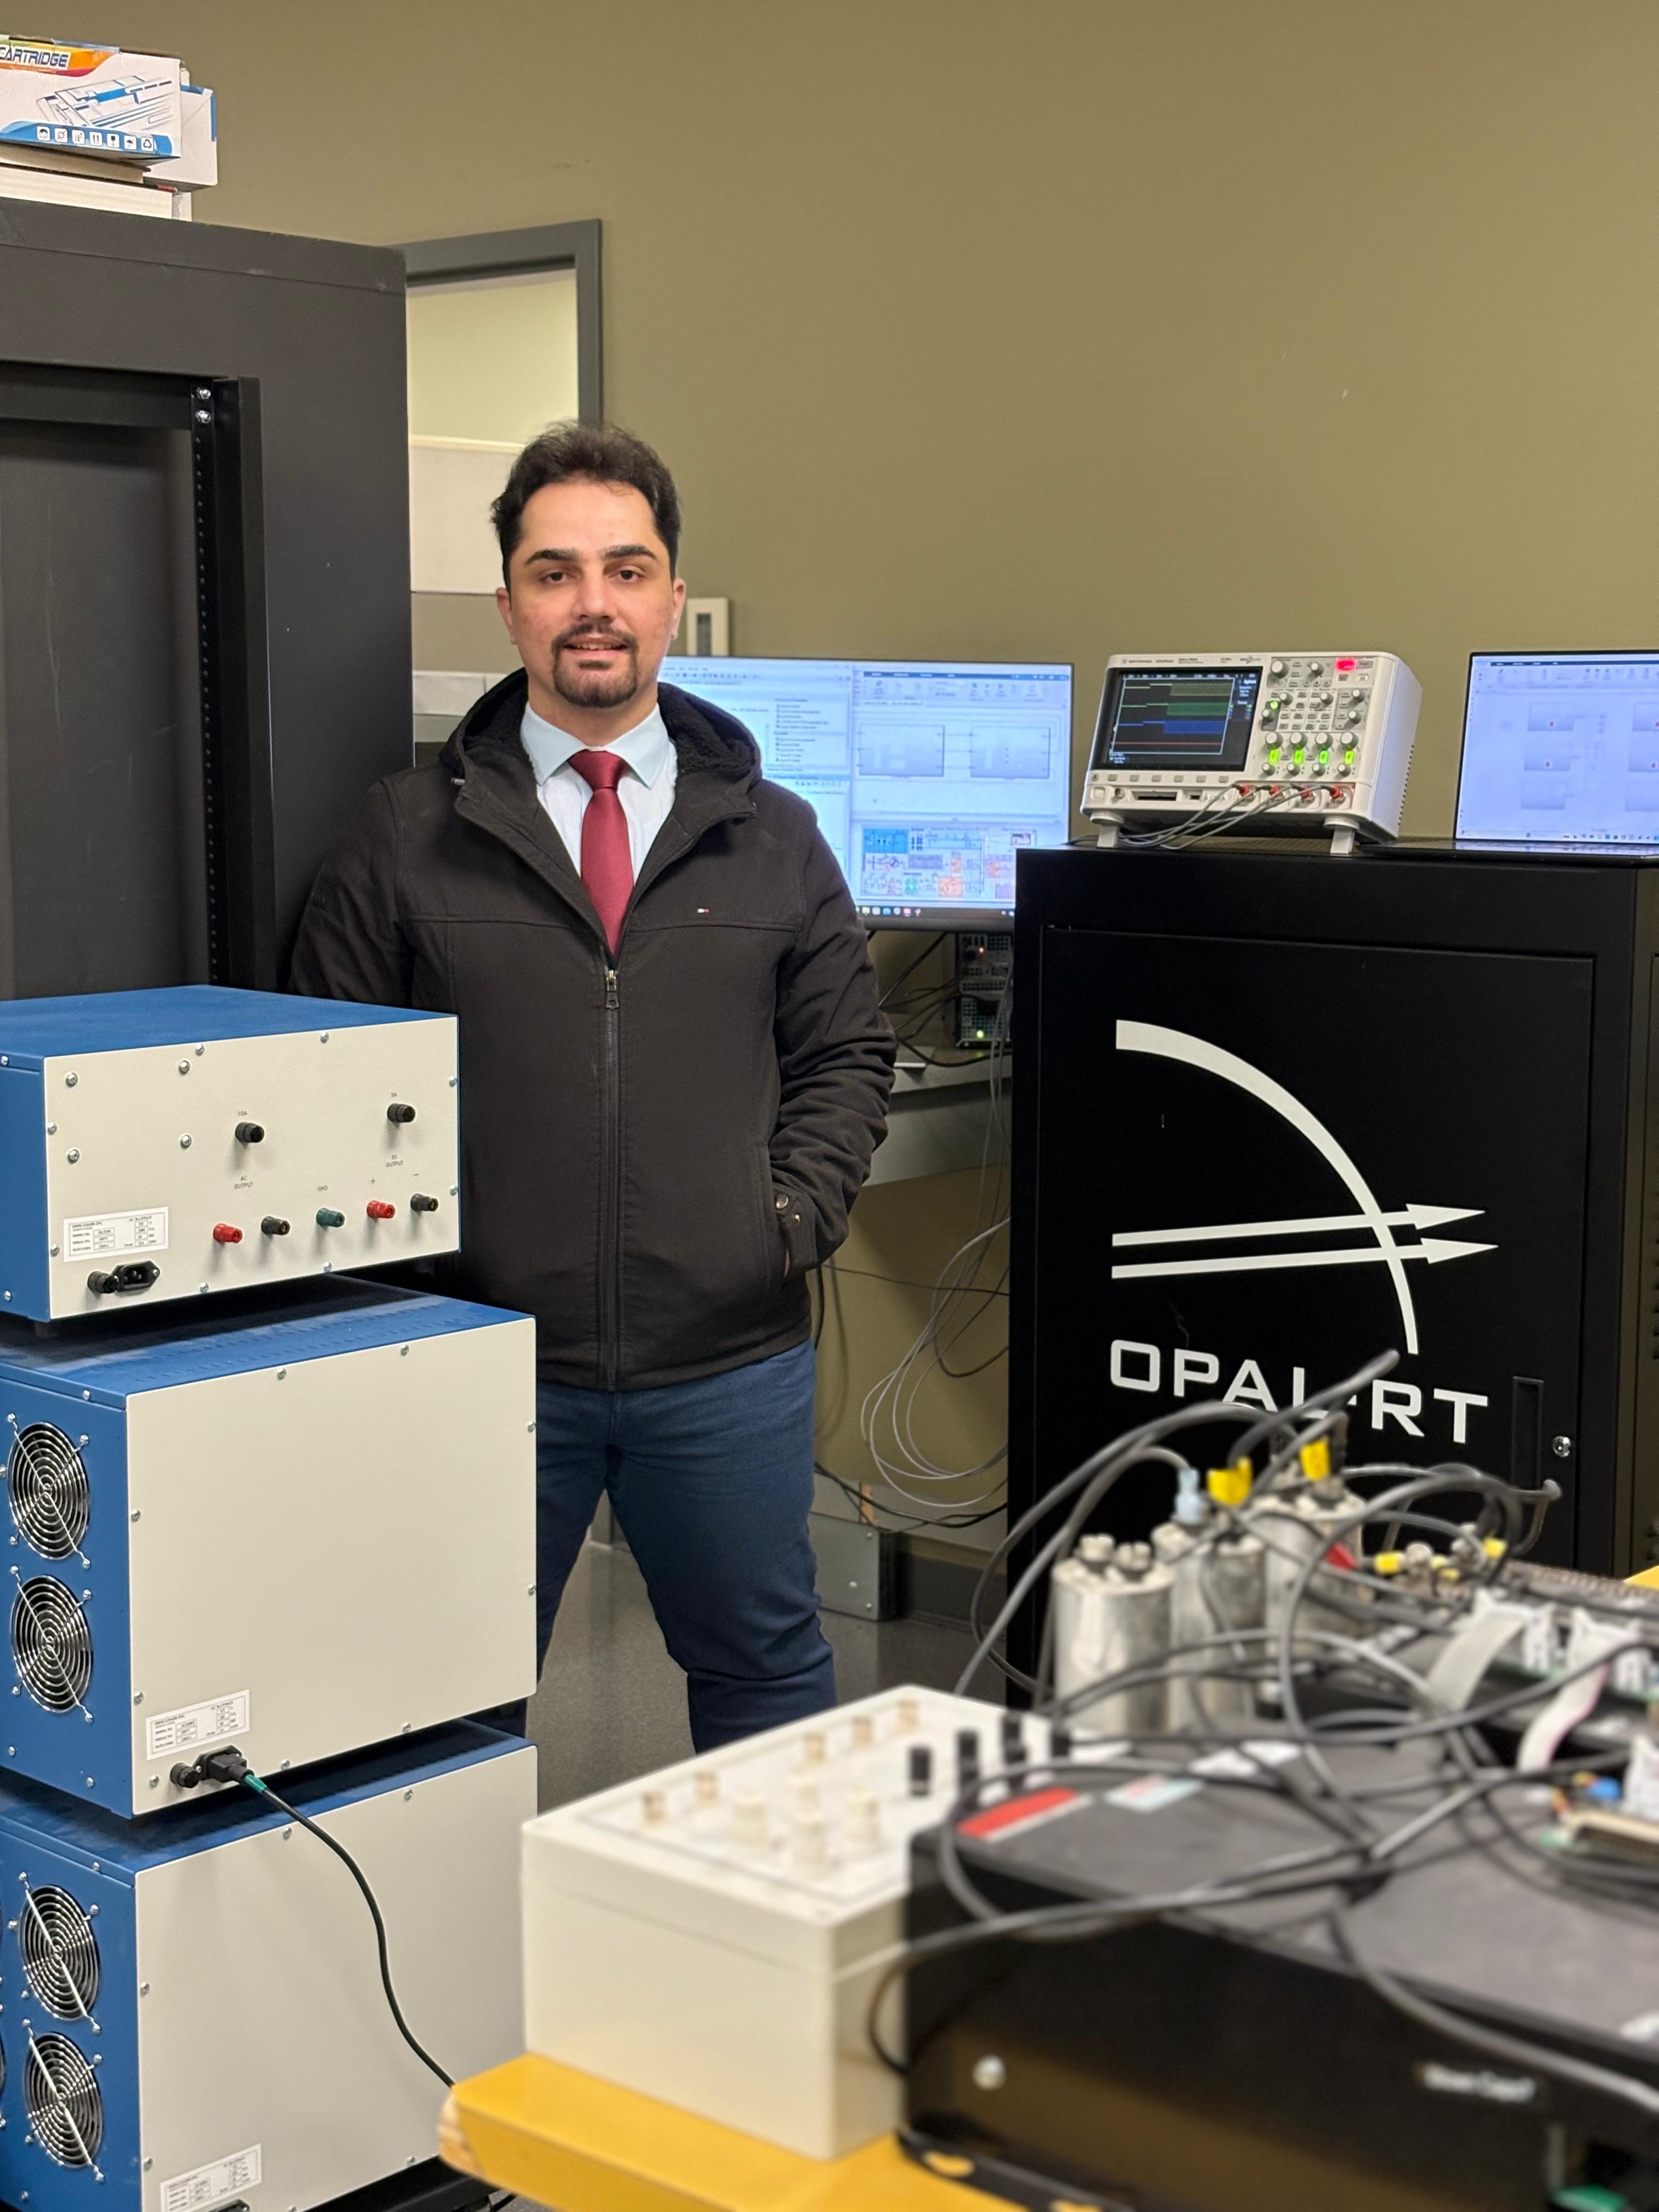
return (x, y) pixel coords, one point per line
(613, 685)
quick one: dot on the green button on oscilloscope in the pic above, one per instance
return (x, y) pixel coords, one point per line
(1299, 754)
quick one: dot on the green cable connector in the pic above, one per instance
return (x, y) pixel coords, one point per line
(1589, 2197)
(328, 1218)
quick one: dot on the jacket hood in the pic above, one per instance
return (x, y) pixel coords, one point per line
(705, 736)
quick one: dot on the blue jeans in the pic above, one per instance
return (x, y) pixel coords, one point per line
(711, 1482)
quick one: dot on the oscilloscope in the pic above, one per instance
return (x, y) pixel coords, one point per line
(1316, 742)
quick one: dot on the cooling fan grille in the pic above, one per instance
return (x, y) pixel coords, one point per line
(60, 1951)
(50, 1644)
(64, 2104)
(51, 1499)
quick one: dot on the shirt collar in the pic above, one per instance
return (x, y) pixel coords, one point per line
(646, 748)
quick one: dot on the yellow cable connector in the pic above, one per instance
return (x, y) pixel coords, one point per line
(1389, 1562)
(1230, 1485)
(1315, 1459)
(1493, 1547)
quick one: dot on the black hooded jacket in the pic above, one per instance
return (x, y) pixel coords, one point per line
(644, 1139)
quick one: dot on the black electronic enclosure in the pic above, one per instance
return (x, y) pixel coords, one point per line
(1278, 1113)
(204, 644)
(1233, 2060)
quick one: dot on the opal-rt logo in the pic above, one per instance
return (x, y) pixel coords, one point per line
(1382, 1248)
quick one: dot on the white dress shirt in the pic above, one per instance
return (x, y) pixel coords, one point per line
(647, 792)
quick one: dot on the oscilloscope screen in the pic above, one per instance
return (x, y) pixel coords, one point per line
(1196, 719)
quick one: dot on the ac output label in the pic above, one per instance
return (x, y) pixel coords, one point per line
(212, 2184)
(107, 1236)
(193, 1727)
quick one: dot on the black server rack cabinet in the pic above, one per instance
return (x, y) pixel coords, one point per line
(1277, 1113)
(204, 615)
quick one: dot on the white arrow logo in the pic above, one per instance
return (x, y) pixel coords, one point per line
(1383, 1251)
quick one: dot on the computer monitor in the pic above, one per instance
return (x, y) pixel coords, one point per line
(1561, 748)
(927, 777)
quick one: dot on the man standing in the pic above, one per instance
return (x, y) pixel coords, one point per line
(674, 1069)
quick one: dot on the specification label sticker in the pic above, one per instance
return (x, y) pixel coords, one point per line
(109, 1236)
(192, 1726)
(212, 2184)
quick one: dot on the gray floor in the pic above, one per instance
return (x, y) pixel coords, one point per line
(611, 1704)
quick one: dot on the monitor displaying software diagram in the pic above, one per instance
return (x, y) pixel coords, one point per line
(1561, 748)
(927, 777)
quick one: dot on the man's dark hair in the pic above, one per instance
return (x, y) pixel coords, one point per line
(597, 452)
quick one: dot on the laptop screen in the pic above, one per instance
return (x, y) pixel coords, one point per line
(1561, 748)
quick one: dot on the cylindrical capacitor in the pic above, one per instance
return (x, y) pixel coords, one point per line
(1294, 1532)
(1220, 1584)
(1107, 1620)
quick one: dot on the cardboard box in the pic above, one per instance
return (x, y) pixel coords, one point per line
(199, 164)
(91, 99)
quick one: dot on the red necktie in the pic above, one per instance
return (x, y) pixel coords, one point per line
(607, 864)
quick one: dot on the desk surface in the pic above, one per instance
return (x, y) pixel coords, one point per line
(567, 2139)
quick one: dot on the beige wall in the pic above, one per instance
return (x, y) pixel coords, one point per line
(1040, 327)
(1044, 327)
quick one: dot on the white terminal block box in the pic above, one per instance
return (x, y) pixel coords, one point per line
(171, 1144)
(712, 1935)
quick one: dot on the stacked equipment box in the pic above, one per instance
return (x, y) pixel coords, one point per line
(254, 1507)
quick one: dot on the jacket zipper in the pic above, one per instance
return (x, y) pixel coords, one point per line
(610, 1209)
(611, 1194)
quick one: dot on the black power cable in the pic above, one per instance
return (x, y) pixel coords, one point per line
(252, 1781)
(229, 1765)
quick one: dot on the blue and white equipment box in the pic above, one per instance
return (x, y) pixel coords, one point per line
(170, 1144)
(303, 1534)
(190, 2013)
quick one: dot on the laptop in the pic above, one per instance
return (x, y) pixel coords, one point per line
(1561, 748)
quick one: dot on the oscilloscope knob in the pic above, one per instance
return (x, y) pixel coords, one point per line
(1275, 668)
